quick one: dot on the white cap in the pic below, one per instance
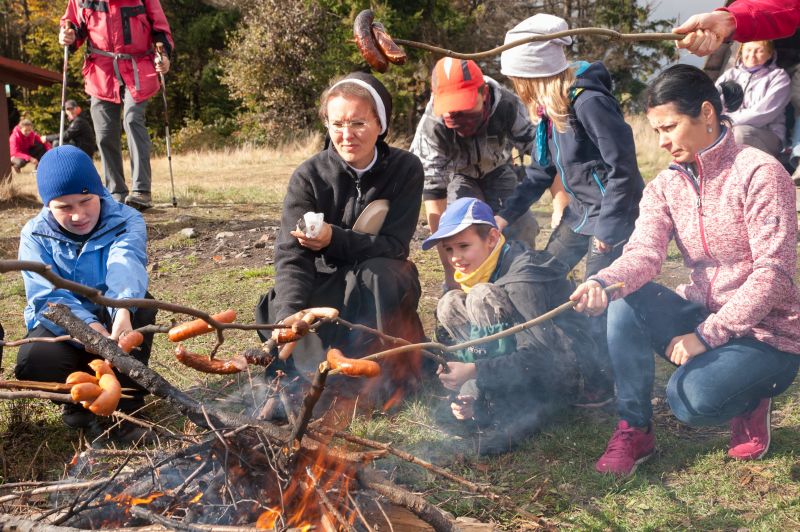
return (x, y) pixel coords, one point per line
(536, 59)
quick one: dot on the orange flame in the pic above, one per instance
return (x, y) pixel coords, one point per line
(268, 519)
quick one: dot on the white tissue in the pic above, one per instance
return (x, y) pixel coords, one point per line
(313, 223)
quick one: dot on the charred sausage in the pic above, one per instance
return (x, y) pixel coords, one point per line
(352, 367)
(365, 40)
(386, 44)
(197, 327)
(209, 365)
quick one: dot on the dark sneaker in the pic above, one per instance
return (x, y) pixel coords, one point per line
(139, 200)
(75, 416)
(594, 397)
(627, 448)
(750, 433)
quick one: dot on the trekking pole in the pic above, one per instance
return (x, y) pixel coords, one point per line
(63, 95)
(159, 53)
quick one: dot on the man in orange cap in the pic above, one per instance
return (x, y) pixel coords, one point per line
(465, 141)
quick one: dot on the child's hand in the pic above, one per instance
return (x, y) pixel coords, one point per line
(460, 373)
(463, 407)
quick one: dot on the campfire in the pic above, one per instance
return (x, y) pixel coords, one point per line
(236, 470)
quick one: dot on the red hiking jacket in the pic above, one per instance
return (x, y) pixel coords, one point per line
(20, 144)
(737, 232)
(128, 28)
(758, 20)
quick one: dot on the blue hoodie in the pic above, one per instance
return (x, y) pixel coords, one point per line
(113, 260)
(596, 159)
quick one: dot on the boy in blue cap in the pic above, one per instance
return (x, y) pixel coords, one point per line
(89, 238)
(517, 383)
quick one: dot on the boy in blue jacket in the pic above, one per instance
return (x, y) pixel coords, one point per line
(87, 237)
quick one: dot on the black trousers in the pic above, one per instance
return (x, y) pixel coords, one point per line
(380, 293)
(53, 362)
(570, 247)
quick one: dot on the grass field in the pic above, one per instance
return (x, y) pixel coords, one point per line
(689, 484)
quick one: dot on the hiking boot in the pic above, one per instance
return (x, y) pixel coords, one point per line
(750, 433)
(119, 197)
(139, 200)
(75, 416)
(627, 448)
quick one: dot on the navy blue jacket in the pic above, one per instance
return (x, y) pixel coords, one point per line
(596, 159)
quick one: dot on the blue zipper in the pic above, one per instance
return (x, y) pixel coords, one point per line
(599, 183)
(564, 181)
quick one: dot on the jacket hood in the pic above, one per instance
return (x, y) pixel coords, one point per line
(520, 264)
(594, 76)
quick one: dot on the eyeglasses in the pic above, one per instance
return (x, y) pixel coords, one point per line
(355, 126)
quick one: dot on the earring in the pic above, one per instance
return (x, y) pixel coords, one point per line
(709, 129)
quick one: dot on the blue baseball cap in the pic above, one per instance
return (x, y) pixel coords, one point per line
(459, 215)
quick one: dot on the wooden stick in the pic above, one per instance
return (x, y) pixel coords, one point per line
(429, 513)
(604, 32)
(477, 341)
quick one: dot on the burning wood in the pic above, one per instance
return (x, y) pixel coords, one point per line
(248, 471)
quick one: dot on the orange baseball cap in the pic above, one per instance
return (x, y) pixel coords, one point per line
(455, 84)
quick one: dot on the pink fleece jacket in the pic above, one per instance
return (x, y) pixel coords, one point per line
(737, 232)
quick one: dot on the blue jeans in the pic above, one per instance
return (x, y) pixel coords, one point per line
(711, 388)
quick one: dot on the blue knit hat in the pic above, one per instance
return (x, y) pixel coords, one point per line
(67, 170)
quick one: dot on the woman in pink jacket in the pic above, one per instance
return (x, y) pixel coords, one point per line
(734, 329)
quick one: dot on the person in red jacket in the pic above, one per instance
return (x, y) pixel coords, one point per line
(743, 21)
(26, 146)
(120, 73)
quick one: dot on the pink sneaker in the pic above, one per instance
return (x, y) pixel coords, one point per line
(750, 433)
(626, 449)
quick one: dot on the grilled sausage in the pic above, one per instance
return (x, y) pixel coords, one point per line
(101, 367)
(86, 391)
(365, 40)
(108, 400)
(197, 327)
(129, 340)
(209, 365)
(80, 377)
(386, 44)
(352, 367)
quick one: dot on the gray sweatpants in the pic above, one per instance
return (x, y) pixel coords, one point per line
(106, 118)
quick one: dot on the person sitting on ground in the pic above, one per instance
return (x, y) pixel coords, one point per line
(79, 133)
(515, 384)
(743, 21)
(465, 141)
(733, 330)
(89, 238)
(760, 120)
(26, 146)
(369, 197)
(583, 138)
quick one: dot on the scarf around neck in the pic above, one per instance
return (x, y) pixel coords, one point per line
(483, 273)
